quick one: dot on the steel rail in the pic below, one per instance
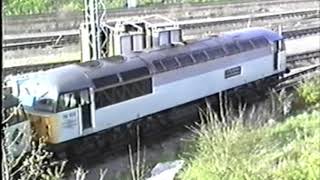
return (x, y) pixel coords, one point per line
(188, 24)
(294, 78)
(45, 66)
(301, 32)
(303, 56)
(302, 59)
(56, 39)
(144, 11)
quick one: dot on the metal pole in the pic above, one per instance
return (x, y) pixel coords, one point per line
(97, 29)
(93, 27)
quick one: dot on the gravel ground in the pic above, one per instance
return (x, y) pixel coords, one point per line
(41, 55)
(119, 167)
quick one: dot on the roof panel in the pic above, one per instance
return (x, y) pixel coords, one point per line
(254, 32)
(67, 78)
(110, 67)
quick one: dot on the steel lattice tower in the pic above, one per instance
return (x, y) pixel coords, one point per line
(92, 24)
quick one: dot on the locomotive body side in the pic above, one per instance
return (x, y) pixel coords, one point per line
(174, 88)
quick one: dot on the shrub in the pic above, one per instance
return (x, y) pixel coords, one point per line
(288, 150)
(309, 91)
(26, 7)
(23, 158)
(73, 6)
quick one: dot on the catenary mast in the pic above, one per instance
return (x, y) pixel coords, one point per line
(92, 23)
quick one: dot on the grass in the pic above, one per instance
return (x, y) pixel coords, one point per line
(29, 7)
(289, 150)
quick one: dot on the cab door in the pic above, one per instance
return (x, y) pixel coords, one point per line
(85, 111)
(275, 55)
(75, 110)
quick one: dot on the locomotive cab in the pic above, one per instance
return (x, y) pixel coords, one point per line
(56, 113)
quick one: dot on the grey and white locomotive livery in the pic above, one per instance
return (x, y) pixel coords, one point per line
(80, 99)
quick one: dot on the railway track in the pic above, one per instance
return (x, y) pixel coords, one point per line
(60, 21)
(53, 39)
(293, 29)
(58, 39)
(34, 68)
(293, 60)
(303, 56)
(295, 77)
(212, 22)
(303, 59)
(297, 33)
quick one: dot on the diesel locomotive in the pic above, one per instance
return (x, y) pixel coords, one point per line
(77, 100)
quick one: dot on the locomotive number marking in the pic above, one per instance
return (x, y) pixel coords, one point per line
(232, 72)
(69, 120)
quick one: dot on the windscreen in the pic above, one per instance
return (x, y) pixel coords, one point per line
(38, 95)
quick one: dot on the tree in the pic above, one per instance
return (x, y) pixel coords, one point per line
(23, 158)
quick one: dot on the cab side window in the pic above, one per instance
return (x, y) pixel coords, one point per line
(72, 100)
(67, 101)
(84, 97)
(45, 104)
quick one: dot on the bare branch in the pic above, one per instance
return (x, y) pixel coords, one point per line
(103, 173)
(80, 173)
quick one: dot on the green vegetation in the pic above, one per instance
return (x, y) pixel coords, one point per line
(23, 7)
(288, 150)
(309, 91)
(28, 7)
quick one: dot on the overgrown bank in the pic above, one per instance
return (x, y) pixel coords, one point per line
(288, 150)
(28, 7)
